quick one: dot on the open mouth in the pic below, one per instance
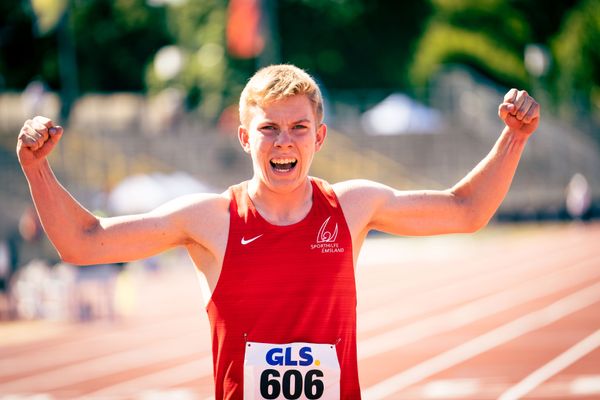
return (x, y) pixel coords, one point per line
(283, 164)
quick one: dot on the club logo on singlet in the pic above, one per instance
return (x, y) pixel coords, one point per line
(326, 238)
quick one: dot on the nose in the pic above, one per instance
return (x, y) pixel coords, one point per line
(284, 139)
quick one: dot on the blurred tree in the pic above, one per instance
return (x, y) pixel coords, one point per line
(489, 36)
(352, 44)
(23, 55)
(346, 44)
(545, 17)
(209, 77)
(577, 54)
(115, 40)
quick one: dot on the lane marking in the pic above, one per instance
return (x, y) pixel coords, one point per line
(478, 309)
(75, 349)
(97, 367)
(174, 394)
(465, 289)
(542, 374)
(489, 340)
(585, 385)
(22, 332)
(451, 389)
(170, 377)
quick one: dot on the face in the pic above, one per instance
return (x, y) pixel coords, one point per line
(282, 138)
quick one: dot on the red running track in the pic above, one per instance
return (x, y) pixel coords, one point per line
(508, 313)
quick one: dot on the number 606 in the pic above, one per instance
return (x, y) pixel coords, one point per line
(271, 388)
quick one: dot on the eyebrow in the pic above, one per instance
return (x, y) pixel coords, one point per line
(269, 121)
(302, 120)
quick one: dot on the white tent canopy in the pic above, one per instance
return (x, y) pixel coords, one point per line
(399, 114)
(142, 193)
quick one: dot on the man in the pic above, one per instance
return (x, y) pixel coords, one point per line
(278, 251)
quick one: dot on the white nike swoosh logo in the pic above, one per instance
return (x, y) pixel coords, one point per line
(245, 242)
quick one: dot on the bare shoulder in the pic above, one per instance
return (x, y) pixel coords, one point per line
(359, 199)
(362, 192)
(204, 217)
(203, 220)
(356, 186)
(199, 207)
(353, 192)
(197, 202)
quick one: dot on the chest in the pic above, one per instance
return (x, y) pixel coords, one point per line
(308, 246)
(306, 266)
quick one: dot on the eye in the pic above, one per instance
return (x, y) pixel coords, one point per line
(268, 129)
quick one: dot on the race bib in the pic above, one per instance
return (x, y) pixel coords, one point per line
(291, 371)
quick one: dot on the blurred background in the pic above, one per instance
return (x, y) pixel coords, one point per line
(147, 91)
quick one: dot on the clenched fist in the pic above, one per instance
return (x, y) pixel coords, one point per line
(36, 140)
(520, 112)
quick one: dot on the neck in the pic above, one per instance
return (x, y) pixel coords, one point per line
(281, 208)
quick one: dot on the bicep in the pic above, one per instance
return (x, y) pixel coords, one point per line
(131, 237)
(420, 213)
(411, 213)
(122, 239)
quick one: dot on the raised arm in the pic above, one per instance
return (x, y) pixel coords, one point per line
(468, 205)
(82, 238)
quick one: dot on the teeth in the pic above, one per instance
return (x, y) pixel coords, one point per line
(283, 160)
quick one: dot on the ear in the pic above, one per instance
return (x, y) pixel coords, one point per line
(321, 134)
(244, 138)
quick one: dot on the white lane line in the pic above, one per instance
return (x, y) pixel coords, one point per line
(162, 379)
(467, 288)
(176, 394)
(487, 341)
(585, 385)
(480, 308)
(113, 363)
(82, 349)
(579, 350)
(451, 389)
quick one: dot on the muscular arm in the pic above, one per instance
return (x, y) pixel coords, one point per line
(82, 238)
(468, 205)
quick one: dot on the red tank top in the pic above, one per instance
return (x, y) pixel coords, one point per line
(284, 284)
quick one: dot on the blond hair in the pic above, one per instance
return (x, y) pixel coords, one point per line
(276, 82)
